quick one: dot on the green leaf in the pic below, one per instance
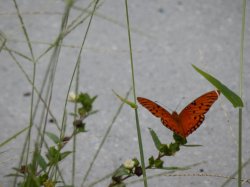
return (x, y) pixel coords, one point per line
(121, 171)
(65, 154)
(53, 137)
(131, 104)
(137, 163)
(158, 163)
(151, 161)
(41, 162)
(86, 102)
(43, 178)
(179, 139)
(164, 148)
(174, 147)
(53, 155)
(229, 94)
(155, 138)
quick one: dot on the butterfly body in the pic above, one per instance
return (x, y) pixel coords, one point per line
(189, 119)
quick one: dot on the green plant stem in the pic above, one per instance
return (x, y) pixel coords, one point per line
(27, 140)
(235, 174)
(74, 136)
(240, 148)
(241, 90)
(134, 94)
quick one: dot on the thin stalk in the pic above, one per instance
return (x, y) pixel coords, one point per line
(72, 26)
(27, 140)
(74, 137)
(78, 58)
(36, 90)
(54, 61)
(134, 94)
(240, 148)
(234, 174)
(241, 90)
(76, 68)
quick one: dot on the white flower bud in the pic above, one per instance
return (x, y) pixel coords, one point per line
(72, 97)
(129, 164)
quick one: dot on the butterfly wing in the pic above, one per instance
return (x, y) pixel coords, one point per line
(193, 115)
(160, 112)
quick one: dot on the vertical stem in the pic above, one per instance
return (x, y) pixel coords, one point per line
(27, 140)
(134, 94)
(240, 149)
(241, 90)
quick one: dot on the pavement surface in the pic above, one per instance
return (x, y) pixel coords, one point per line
(167, 37)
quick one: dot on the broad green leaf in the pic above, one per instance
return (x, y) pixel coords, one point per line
(179, 139)
(174, 147)
(53, 155)
(43, 178)
(136, 162)
(155, 138)
(53, 137)
(229, 94)
(86, 101)
(158, 163)
(131, 104)
(41, 162)
(65, 154)
(121, 171)
(151, 161)
(164, 148)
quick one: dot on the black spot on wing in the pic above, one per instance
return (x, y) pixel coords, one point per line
(199, 120)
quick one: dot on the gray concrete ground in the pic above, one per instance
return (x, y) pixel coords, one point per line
(167, 37)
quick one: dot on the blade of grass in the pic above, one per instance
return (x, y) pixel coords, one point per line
(77, 66)
(54, 62)
(13, 137)
(27, 140)
(77, 82)
(72, 26)
(2, 40)
(241, 90)
(235, 173)
(134, 95)
(79, 57)
(229, 94)
(36, 90)
(125, 100)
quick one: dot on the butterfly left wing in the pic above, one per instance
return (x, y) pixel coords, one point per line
(193, 114)
(158, 111)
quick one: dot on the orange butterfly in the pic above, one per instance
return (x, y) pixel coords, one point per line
(190, 118)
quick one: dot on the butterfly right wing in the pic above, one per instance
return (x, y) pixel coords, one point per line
(158, 111)
(193, 114)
